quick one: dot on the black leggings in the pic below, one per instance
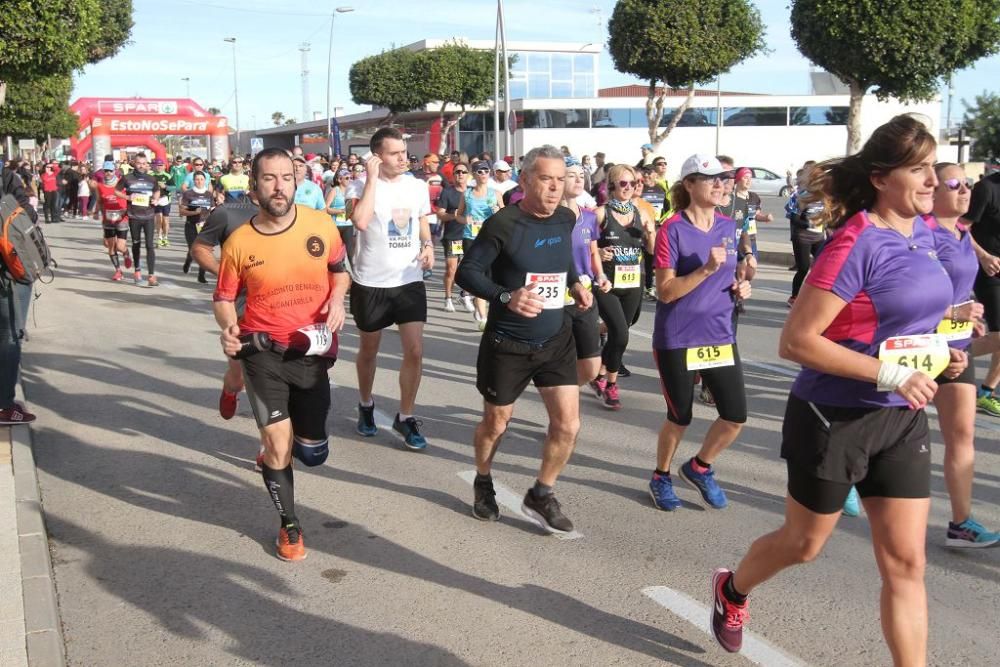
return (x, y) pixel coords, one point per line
(136, 228)
(677, 383)
(618, 309)
(648, 272)
(347, 237)
(805, 249)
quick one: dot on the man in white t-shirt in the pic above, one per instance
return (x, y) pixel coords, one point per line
(502, 182)
(392, 251)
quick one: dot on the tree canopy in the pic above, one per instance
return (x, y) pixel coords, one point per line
(681, 44)
(391, 79)
(39, 108)
(982, 122)
(456, 75)
(903, 50)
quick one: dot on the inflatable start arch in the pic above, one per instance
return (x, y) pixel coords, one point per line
(128, 121)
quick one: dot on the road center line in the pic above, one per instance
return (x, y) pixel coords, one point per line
(754, 649)
(512, 503)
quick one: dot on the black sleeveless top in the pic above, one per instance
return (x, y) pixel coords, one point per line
(626, 242)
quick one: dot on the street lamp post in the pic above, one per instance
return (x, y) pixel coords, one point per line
(236, 91)
(187, 83)
(329, 59)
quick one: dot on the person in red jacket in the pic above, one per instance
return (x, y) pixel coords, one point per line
(50, 188)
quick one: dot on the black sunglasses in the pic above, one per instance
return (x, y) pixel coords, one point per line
(460, 172)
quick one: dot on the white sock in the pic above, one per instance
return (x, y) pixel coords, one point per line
(367, 404)
(402, 417)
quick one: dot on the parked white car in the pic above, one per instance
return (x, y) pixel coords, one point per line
(766, 182)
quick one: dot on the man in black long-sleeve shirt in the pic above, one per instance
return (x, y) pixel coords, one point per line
(522, 264)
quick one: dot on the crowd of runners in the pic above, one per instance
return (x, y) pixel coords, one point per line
(553, 260)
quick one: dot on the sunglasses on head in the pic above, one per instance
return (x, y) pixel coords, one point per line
(627, 184)
(956, 183)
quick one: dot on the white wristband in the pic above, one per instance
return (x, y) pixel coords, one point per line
(892, 376)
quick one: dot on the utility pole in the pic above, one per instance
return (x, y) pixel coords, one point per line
(304, 48)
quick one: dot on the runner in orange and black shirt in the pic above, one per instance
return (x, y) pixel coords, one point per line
(290, 261)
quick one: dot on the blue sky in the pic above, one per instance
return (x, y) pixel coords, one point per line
(269, 33)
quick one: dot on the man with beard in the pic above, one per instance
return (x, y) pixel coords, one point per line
(290, 261)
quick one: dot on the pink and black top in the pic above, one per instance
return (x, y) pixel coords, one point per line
(893, 286)
(704, 316)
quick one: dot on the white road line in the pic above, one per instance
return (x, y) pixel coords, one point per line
(512, 503)
(754, 649)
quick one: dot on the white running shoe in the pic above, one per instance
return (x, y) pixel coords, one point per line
(470, 307)
(449, 307)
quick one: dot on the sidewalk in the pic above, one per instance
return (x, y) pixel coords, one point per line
(30, 629)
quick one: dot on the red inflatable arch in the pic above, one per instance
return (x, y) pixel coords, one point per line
(107, 122)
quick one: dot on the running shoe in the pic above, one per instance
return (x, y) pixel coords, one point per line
(989, 404)
(408, 429)
(201, 277)
(599, 385)
(366, 420)
(258, 463)
(428, 274)
(187, 265)
(128, 261)
(545, 511)
(291, 546)
(228, 403)
(470, 307)
(166, 242)
(153, 282)
(611, 399)
(705, 482)
(651, 294)
(969, 535)
(449, 307)
(852, 505)
(481, 324)
(705, 396)
(661, 488)
(728, 618)
(624, 372)
(14, 415)
(139, 282)
(118, 275)
(485, 507)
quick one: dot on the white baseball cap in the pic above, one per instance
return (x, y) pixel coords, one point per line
(501, 165)
(703, 164)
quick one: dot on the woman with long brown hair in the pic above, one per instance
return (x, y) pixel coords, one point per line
(870, 353)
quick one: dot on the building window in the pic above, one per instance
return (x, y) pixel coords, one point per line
(818, 116)
(693, 117)
(518, 88)
(541, 75)
(755, 116)
(538, 85)
(473, 122)
(537, 119)
(611, 117)
(583, 85)
(583, 63)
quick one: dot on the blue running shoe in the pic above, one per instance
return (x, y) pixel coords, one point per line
(366, 420)
(706, 485)
(969, 535)
(852, 504)
(408, 429)
(661, 488)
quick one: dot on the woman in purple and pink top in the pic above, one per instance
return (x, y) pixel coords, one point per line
(587, 260)
(864, 330)
(956, 398)
(696, 284)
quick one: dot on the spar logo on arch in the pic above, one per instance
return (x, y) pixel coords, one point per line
(137, 107)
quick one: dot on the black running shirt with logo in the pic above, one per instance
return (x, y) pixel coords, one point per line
(511, 248)
(139, 190)
(626, 245)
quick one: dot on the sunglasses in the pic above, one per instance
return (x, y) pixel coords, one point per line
(627, 184)
(482, 171)
(956, 183)
(359, 170)
(719, 178)
(199, 164)
(460, 172)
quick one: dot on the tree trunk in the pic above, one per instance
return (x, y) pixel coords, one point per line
(854, 118)
(654, 110)
(446, 130)
(659, 138)
(3, 92)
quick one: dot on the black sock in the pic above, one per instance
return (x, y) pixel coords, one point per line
(662, 473)
(540, 490)
(280, 484)
(731, 593)
(114, 260)
(702, 463)
(987, 390)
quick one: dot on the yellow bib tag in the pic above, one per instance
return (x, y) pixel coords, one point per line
(928, 353)
(457, 249)
(952, 330)
(752, 228)
(475, 227)
(626, 276)
(710, 356)
(140, 199)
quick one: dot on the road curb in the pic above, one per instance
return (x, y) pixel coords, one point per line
(42, 624)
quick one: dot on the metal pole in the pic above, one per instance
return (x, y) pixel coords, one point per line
(496, 85)
(236, 93)
(329, 66)
(187, 82)
(718, 110)
(508, 149)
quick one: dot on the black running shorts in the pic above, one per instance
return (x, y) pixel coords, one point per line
(987, 290)
(449, 253)
(586, 331)
(375, 308)
(677, 383)
(505, 366)
(968, 376)
(296, 389)
(115, 232)
(884, 452)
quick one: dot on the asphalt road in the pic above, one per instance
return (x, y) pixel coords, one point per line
(162, 535)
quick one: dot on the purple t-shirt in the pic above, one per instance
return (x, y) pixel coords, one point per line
(959, 259)
(893, 286)
(703, 316)
(584, 232)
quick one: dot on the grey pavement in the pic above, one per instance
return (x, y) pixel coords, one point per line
(162, 536)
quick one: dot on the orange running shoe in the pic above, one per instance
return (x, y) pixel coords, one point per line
(228, 403)
(291, 546)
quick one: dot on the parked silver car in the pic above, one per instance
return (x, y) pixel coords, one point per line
(766, 182)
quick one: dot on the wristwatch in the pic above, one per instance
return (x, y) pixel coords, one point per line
(504, 298)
